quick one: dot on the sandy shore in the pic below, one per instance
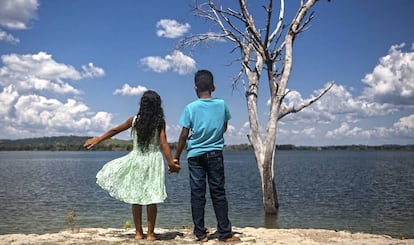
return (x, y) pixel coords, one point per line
(184, 236)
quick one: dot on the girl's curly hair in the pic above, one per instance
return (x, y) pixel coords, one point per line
(150, 118)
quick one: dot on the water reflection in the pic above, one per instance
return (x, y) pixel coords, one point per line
(270, 220)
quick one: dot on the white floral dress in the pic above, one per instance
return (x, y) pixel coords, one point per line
(138, 177)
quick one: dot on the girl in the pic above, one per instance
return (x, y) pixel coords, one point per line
(138, 177)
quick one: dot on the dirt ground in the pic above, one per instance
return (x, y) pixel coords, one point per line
(184, 236)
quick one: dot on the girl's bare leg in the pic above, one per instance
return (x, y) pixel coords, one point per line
(151, 217)
(137, 215)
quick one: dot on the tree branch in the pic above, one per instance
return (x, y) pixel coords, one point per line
(288, 47)
(268, 10)
(302, 28)
(279, 23)
(292, 109)
(251, 28)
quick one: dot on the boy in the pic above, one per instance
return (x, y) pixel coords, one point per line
(207, 119)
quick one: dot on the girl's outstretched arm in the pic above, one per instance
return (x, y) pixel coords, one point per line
(89, 143)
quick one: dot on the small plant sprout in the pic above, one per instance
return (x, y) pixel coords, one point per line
(127, 225)
(71, 219)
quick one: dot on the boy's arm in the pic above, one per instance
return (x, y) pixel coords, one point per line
(89, 143)
(225, 126)
(182, 140)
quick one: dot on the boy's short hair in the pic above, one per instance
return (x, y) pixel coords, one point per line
(204, 80)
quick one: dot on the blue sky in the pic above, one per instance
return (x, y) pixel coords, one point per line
(79, 67)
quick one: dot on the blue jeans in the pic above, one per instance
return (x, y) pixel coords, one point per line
(208, 166)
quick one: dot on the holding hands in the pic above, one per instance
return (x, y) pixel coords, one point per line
(175, 167)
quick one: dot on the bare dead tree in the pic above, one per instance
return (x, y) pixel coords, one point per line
(269, 50)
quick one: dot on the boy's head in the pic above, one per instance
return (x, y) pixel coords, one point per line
(203, 80)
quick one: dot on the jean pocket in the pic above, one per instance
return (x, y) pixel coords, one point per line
(215, 161)
(214, 154)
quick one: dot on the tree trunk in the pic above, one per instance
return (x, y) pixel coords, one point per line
(265, 165)
(270, 201)
(264, 152)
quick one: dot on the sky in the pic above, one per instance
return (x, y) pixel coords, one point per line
(72, 67)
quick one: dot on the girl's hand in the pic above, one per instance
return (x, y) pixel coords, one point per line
(174, 168)
(89, 143)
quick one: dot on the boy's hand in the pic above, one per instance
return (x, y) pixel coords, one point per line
(175, 167)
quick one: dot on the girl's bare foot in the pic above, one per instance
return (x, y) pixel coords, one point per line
(139, 235)
(151, 237)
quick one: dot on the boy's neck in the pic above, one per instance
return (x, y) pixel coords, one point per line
(204, 95)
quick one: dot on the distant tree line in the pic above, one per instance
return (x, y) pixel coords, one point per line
(75, 143)
(347, 147)
(62, 143)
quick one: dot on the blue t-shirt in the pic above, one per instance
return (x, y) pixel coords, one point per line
(206, 119)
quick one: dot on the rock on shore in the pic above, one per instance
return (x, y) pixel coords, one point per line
(247, 235)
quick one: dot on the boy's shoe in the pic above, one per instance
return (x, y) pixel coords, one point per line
(205, 239)
(232, 239)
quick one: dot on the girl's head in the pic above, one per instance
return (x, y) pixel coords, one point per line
(150, 118)
(150, 101)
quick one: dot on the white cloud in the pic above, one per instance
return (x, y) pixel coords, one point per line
(309, 131)
(337, 103)
(171, 28)
(156, 63)
(231, 129)
(214, 37)
(405, 126)
(177, 62)
(40, 72)
(181, 63)
(8, 98)
(235, 135)
(34, 116)
(173, 132)
(131, 91)
(7, 37)
(347, 131)
(389, 89)
(30, 88)
(40, 65)
(350, 118)
(91, 71)
(392, 80)
(16, 14)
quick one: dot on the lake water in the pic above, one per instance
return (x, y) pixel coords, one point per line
(368, 191)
